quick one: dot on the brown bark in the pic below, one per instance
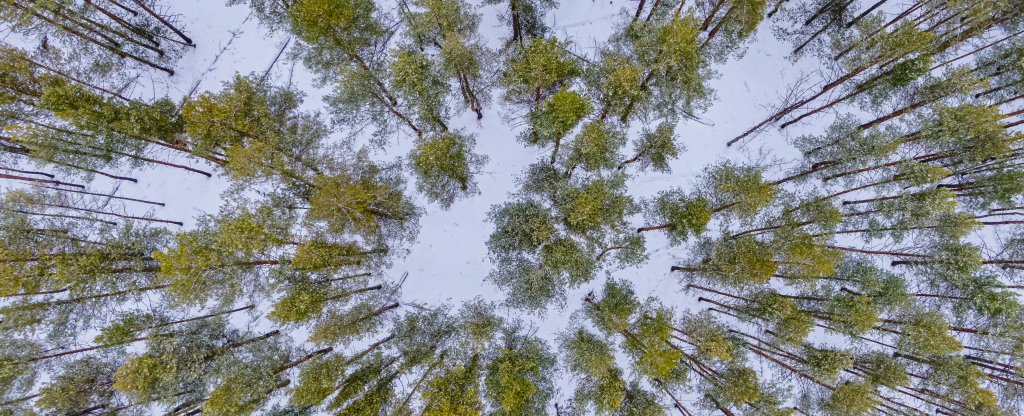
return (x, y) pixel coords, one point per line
(114, 214)
(37, 180)
(517, 26)
(106, 196)
(714, 10)
(865, 13)
(164, 22)
(110, 48)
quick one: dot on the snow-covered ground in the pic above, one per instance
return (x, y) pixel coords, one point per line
(449, 261)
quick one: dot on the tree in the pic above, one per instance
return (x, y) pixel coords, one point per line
(526, 17)
(537, 70)
(446, 165)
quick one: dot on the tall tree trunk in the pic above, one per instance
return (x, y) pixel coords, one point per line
(164, 21)
(107, 196)
(639, 9)
(517, 25)
(37, 180)
(865, 13)
(711, 15)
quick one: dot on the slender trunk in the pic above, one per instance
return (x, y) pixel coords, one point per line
(421, 378)
(786, 110)
(61, 11)
(821, 10)
(73, 217)
(554, 152)
(778, 6)
(20, 399)
(124, 23)
(96, 297)
(37, 180)
(81, 82)
(383, 94)
(717, 292)
(164, 21)
(817, 167)
(768, 228)
(974, 51)
(106, 196)
(83, 36)
(639, 9)
(711, 15)
(718, 26)
(114, 214)
(877, 252)
(858, 188)
(654, 228)
(898, 17)
(654, 7)
(865, 13)
(517, 26)
(355, 292)
(814, 36)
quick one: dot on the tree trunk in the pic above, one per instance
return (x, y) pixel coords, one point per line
(639, 9)
(124, 23)
(865, 13)
(106, 196)
(714, 10)
(718, 26)
(517, 26)
(81, 35)
(114, 214)
(164, 22)
(898, 17)
(654, 7)
(877, 252)
(37, 180)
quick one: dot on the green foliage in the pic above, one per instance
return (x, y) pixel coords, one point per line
(684, 216)
(827, 364)
(315, 255)
(518, 380)
(655, 149)
(445, 166)
(590, 208)
(741, 188)
(454, 392)
(537, 69)
(649, 344)
(123, 329)
(369, 204)
(613, 312)
(75, 389)
(596, 147)
(805, 257)
(850, 399)
(317, 381)
(301, 304)
(737, 262)
(519, 227)
(958, 378)
(853, 315)
(414, 79)
(740, 387)
(790, 324)
(927, 333)
(347, 25)
(556, 117)
(710, 338)
(563, 256)
(883, 370)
